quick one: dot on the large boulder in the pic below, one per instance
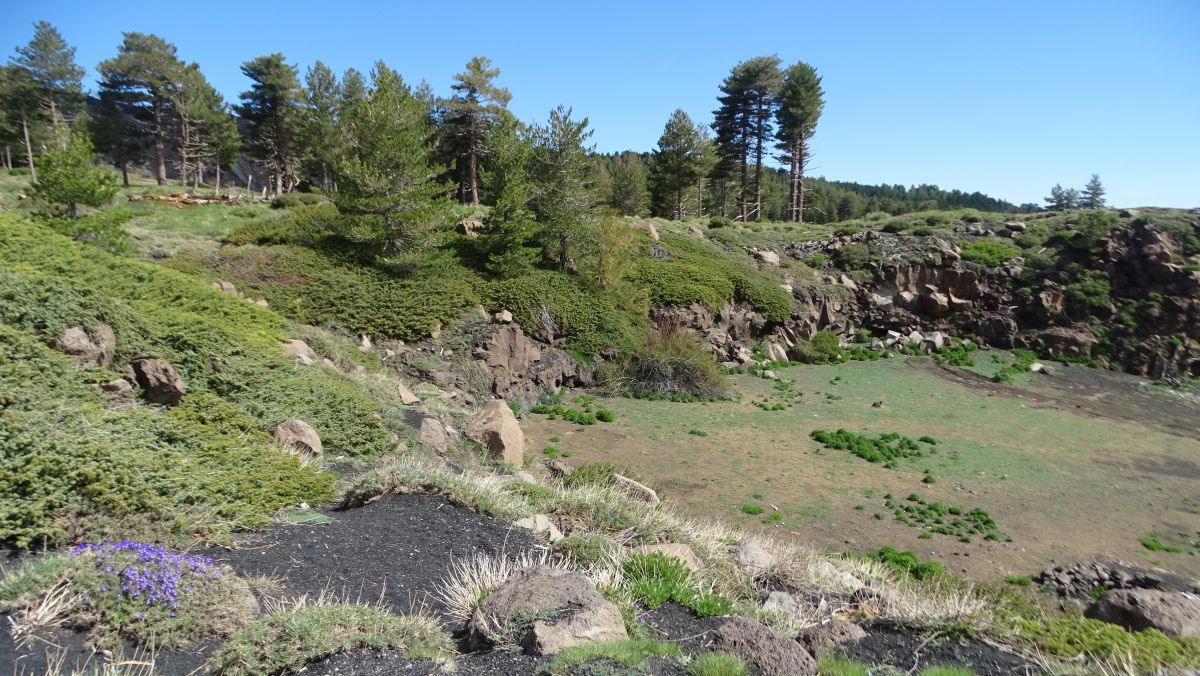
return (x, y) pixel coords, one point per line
(496, 427)
(435, 434)
(764, 650)
(1173, 613)
(159, 382)
(299, 436)
(95, 347)
(752, 558)
(574, 613)
(766, 257)
(823, 638)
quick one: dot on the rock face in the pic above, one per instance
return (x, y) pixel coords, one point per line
(1175, 614)
(635, 490)
(496, 427)
(159, 382)
(577, 613)
(521, 369)
(769, 653)
(87, 349)
(297, 435)
(822, 638)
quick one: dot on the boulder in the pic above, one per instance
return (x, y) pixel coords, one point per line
(121, 392)
(915, 338)
(766, 257)
(261, 302)
(87, 348)
(496, 427)
(300, 350)
(502, 317)
(159, 382)
(647, 226)
(222, 285)
(676, 549)
(297, 435)
(364, 343)
(783, 603)
(823, 638)
(767, 652)
(558, 468)
(435, 434)
(873, 593)
(470, 227)
(774, 351)
(541, 524)
(752, 558)
(635, 490)
(406, 396)
(848, 283)
(577, 613)
(1176, 614)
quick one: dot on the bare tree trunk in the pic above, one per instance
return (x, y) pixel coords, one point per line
(472, 182)
(7, 157)
(218, 183)
(801, 161)
(199, 176)
(28, 151)
(279, 182)
(250, 182)
(125, 174)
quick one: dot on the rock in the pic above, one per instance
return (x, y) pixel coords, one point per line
(435, 434)
(578, 613)
(936, 340)
(1176, 614)
(502, 317)
(647, 226)
(1015, 226)
(873, 593)
(541, 524)
(881, 302)
(783, 603)
(696, 232)
(769, 653)
(222, 285)
(558, 468)
(159, 382)
(471, 227)
(121, 392)
(915, 338)
(752, 558)
(496, 427)
(300, 350)
(678, 550)
(1039, 367)
(526, 478)
(406, 396)
(297, 435)
(774, 351)
(848, 283)
(635, 490)
(364, 343)
(261, 302)
(87, 349)
(766, 257)
(823, 638)
(1128, 213)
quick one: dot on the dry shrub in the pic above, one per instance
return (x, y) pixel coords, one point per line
(674, 361)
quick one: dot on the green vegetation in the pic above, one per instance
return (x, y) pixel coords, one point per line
(1018, 580)
(938, 518)
(1024, 359)
(69, 179)
(657, 578)
(989, 252)
(585, 550)
(906, 563)
(1070, 636)
(717, 664)
(886, 449)
(834, 665)
(752, 509)
(629, 653)
(1152, 543)
(287, 640)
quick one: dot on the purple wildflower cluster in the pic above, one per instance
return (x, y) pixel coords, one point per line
(146, 573)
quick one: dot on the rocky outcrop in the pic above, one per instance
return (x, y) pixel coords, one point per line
(298, 436)
(823, 638)
(761, 648)
(159, 382)
(522, 370)
(570, 612)
(1175, 614)
(89, 348)
(496, 427)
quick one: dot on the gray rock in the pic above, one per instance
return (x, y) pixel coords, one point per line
(87, 348)
(1175, 614)
(435, 434)
(541, 524)
(752, 558)
(763, 649)
(159, 382)
(299, 436)
(635, 490)
(822, 638)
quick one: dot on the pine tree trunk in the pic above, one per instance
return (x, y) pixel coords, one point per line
(472, 182)
(7, 158)
(801, 160)
(278, 182)
(218, 183)
(28, 151)
(125, 174)
(758, 159)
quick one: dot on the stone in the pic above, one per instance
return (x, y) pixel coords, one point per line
(783, 603)
(502, 317)
(915, 338)
(936, 340)
(525, 477)
(406, 396)
(558, 468)
(364, 343)
(647, 226)
(873, 593)
(823, 638)
(1039, 367)
(159, 382)
(766, 257)
(1176, 614)
(121, 392)
(300, 350)
(761, 648)
(471, 227)
(635, 490)
(775, 352)
(435, 435)
(541, 524)
(222, 285)
(578, 614)
(676, 549)
(752, 558)
(87, 348)
(297, 435)
(496, 427)
(881, 302)
(696, 232)
(848, 283)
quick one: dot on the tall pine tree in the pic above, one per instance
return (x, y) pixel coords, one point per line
(744, 122)
(471, 111)
(56, 81)
(565, 202)
(319, 123)
(677, 165)
(270, 110)
(800, 104)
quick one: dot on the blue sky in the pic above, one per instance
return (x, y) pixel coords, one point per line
(1007, 98)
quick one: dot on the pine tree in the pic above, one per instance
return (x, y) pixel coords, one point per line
(1062, 199)
(744, 122)
(70, 178)
(677, 165)
(800, 105)
(140, 79)
(627, 184)
(19, 122)
(114, 134)
(508, 246)
(564, 203)
(201, 114)
(471, 111)
(270, 110)
(386, 183)
(1093, 194)
(48, 63)
(319, 123)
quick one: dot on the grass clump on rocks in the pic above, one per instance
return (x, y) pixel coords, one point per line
(657, 578)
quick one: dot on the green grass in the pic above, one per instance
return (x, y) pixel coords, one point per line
(657, 578)
(752, 509)
(628, 653)
(289, 639)
(831, 665)
(1152, 543)
(717, 664)
(1071, 636)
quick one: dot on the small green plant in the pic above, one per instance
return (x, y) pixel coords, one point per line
(1152, 543)
(886, 449)
(989, 252)
(605, 415)
(657, 578)
(717, 664)
(629, 653)
(835, 665)
(586, 549)
(773, 517)
(942, 519)
(907, 563)
(1018, 580)
(697, 433)
(752, 509)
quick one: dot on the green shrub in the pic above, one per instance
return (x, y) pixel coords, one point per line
(825, 345)
(895, 226)
(852, 257)
(605, 415)
(297, 199)
(886, 449)
(673, 362)
(586, 549)
(305, 226)
(989, 252)
(104, 229)
(628, 653)
(717, 664)
(906, 563)
(703, 272)
(657, 578)
(835, 665)
(922, 231)
(817, 261)
(1071, 636)
(752, 509)
(719, 222)
(1083, 298)
(594, 474)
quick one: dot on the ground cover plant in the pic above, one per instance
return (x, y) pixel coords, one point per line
(886, 449)
(945, 520)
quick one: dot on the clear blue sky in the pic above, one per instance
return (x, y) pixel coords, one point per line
(1007, 98)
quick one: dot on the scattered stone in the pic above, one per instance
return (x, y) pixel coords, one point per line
(752, 558)
(541, 524)
(647, 226)
(406, 396)
(783, 603)
(502, 317)
(766, 257)
(222, 285)
(159, 382)
(121, 392)
(848, 283)
(823, 638)
(915, 338)
(299, 436)
(435, 434)
(300, 350)
(676, 549)
(578, 614)
(636, 490)
(87, 349)
(364, 343)
(558, 468)
(769, 653)
(496, 427)
(1176, 614)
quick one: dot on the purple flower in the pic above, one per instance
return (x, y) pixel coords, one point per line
(148, 573)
